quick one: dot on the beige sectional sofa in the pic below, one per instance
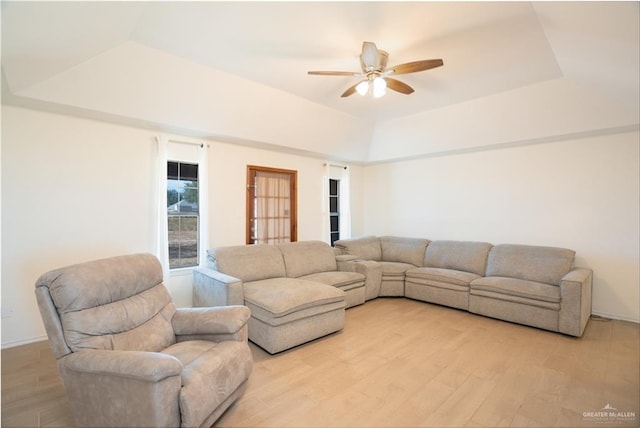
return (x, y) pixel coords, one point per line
(532, 285)
(297, 291)
(394, 255)
(447, 271)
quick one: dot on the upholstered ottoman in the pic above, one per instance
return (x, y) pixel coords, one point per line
(286, 312)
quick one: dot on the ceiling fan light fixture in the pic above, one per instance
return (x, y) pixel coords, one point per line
(379, 87)
(363, 87)
(373, 62)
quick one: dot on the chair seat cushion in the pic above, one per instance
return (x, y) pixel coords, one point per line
(518, 288)
(212, 372)
(434, 276)
(340, 279)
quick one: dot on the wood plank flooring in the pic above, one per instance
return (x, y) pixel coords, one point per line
(402, 363)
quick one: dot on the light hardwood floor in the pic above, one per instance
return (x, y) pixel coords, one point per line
(398, 363)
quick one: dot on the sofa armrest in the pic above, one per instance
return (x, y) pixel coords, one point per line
(371, 270)
(346, 258)
(122, 388)
(575, 301)
(216, 324)
(213, 288)
(345, 263)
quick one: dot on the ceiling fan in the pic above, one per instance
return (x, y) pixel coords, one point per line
(376, 74)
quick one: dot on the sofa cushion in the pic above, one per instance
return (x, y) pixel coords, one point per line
(342, 280)
(249, 262)
(458, 255)
(403, 250)
(426, 275)
(517, 287)
(366, 248)
(395, 268)
(282, 296)
(307, 257)
(531, 263)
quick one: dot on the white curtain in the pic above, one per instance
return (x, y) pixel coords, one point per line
(345, 205)
(203, 201)
(326, 223)
(273, 203)
(162, 226)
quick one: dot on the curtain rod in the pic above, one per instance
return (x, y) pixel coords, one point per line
(189, 143)
(335, 164)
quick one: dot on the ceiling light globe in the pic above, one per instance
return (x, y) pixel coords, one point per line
(379, 87)
(362, 88)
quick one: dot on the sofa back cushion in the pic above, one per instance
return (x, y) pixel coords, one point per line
(117, 303)
(248, 262)
(403, 250)
(466, 256)
(307, 257)
(366, 248)
(531, 263)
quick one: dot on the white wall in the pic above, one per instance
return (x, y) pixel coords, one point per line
(579, 194)
(76, 189)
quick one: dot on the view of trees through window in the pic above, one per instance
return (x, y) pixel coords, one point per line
(183, 214)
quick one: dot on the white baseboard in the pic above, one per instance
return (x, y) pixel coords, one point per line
(615, 317)
(15, 343)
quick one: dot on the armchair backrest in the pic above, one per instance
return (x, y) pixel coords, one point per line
(116, 303)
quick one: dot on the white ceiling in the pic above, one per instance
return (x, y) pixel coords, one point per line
(488, 49)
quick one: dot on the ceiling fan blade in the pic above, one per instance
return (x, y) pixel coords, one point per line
(383, 57)
(369, 58)
(333, 73)
(412, 67)
(350, 91)
(398, 86)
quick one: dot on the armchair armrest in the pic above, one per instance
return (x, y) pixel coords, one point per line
(215, 324)
(138, 365)
(213, 288)
(575, 301)
(122, 388)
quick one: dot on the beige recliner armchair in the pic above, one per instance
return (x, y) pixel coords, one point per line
(128, 357)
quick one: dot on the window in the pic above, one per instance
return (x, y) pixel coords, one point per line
(334, 209)
(183, 210)
(271, 205)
